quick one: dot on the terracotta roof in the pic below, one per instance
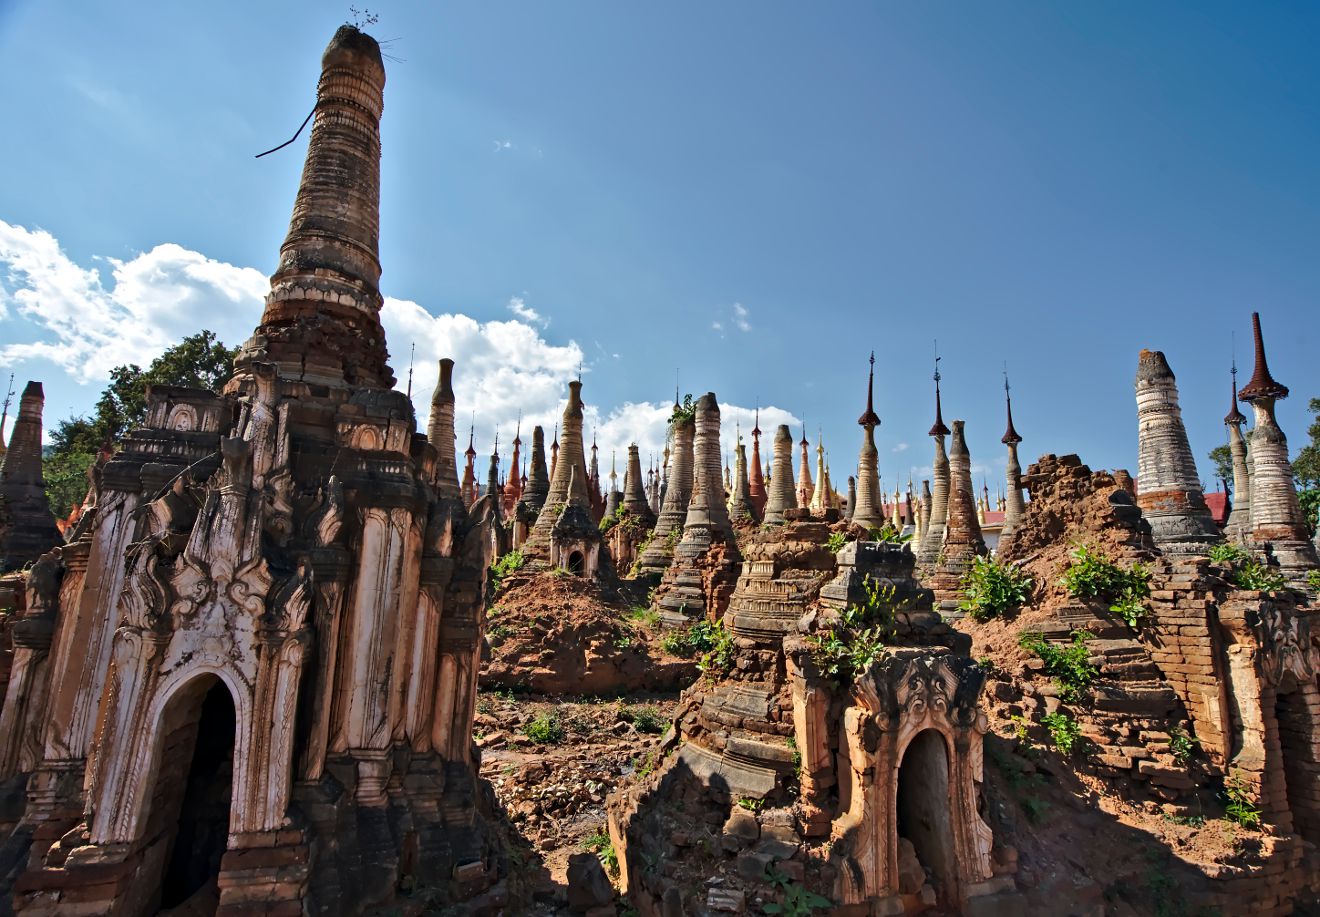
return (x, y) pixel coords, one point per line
(1219, 506)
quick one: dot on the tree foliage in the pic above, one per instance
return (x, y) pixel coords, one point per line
(198, 361)
(1306, 467)
(1222, 459)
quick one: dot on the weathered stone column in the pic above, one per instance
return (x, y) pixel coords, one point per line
(782, 495)
(820, 498)
(1276, 513)
(677, 495)
(1014, 506)
(570, 472)
(1238, 527)
(806, 489)
(962, 537)
(1169, 487)
(933, 543)
(538, 481)
(322, 317)
(740, 506)
(867, 510)
(634, 497)
(27, 528)
(755, 479)
(440, 431)
(852, 498)
(927, 502)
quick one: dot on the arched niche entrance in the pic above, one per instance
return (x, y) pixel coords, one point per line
(923, 808)
(188, 821)
(576, 563)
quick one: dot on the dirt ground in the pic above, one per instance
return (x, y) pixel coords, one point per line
(552, 761)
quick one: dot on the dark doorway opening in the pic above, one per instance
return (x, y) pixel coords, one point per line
(576, 563)
(203, 826)
(923, 808)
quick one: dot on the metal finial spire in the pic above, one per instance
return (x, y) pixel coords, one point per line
(412, 352)
(9, 397)
(938, 428)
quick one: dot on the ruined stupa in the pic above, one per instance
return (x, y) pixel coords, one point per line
(1238, 527)
(270, 623)
(1168, 486)
(659, 550)
(963, 542)
(1277, 523)
(931, 546)
(27, 528)
(1014, 505)
(782, 495)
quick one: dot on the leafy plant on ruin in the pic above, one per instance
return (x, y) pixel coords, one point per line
(691, 641)
(851, 643)
(645, 766)
(1065, 732)
(836, 541)
(687, 411)
(797, 901)
(797, 756)
(507, 564)
(887, 534)
(1093, 577)
(719, 658)
(643, 616)
(1182, 744)
(1254, 575)
(751, 803)
(644, 718)
(1069, 665)
(991, 589)
(1244, 571)
(1313, 581)
(545, 729)
(599, 843)
(1239, 805)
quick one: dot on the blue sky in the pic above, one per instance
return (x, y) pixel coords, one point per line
(1050, 185)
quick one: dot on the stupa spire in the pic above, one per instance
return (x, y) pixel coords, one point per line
(27, 528)
(1238, 526)
(1015, 506)
(321, 321)
(440, 430)
(867, 509)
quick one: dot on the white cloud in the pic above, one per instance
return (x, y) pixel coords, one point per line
(518, 306)
(502, 145)
(901, 447)
(156, 298)
(740, 317)
(504, 368)
(718, 326)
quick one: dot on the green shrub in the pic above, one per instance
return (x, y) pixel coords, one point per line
(504, 566)
(1069, 665)
(719, 658)
(887, 534)
(643, 616)
(1313, 580)
(849, 645)
(797, 900)
(1228, 555)
(1245, 572)
(599, 843)
(1239, 807)
(546, 729)
(991, 589)
(1251, 574)
(1182, 744)
(685, 411)
(1090, 576)
(1065, 732)
(687, 642)
(836, 541)
(644, 718)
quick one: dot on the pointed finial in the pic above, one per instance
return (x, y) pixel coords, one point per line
(1262, 384)
(870, 419)
(938, 428)
(1010, 434)
(412, 353)
(1234, 417)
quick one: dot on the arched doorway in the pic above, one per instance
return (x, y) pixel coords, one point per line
(576, 563)
(189, 822)
(923, 808)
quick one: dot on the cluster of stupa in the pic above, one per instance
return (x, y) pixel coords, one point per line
(244, 680)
